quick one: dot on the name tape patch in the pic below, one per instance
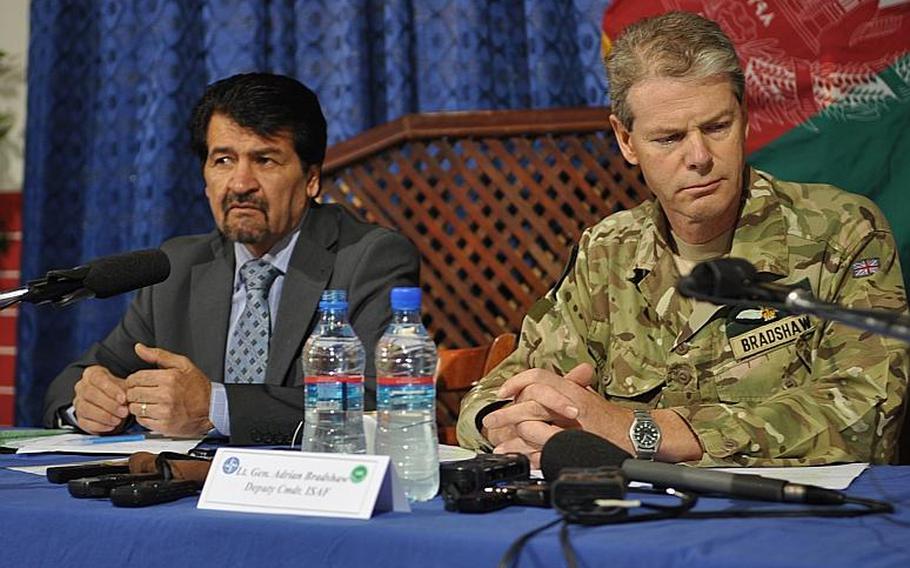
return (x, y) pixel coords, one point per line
(767, 337)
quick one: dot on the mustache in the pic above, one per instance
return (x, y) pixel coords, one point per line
(233, 199)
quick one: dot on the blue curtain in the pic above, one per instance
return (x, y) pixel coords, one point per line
(112, 82)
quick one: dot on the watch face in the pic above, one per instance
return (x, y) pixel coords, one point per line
(646, 435)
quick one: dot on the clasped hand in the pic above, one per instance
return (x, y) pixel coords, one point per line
(172, 399)
(543, 404)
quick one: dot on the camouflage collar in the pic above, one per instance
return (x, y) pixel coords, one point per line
(654, 272)
(652, 242)
(760, 236)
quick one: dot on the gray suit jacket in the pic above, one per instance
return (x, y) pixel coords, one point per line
(189, 312)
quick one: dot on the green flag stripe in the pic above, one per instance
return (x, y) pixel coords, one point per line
(866, 153)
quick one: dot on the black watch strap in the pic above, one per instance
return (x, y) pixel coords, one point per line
(645, 435)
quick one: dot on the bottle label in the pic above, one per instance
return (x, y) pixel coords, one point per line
(333, 392)
(313, 380)
(398, 381)
(405, 393)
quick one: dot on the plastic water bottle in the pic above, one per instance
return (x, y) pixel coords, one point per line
(333, 360)
(406, 397)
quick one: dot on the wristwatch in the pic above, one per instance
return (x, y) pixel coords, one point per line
(645, 435)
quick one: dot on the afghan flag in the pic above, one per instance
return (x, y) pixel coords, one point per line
(827, 86)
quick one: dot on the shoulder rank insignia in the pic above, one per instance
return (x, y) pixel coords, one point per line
(768, 314)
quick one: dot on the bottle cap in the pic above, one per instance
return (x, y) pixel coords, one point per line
(333, 300)
(405, 298)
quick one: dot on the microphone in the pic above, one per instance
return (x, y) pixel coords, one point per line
(730, 279)
(100, 278)
(112, 275)
(734, 281)
(576, 448)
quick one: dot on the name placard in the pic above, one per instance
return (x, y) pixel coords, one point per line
(301, 483)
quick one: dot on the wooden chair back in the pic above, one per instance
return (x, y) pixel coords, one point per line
(457, 372)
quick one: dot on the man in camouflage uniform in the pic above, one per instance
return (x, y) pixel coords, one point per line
(724, 386)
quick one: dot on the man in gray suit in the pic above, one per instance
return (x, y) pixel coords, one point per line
(261, 139)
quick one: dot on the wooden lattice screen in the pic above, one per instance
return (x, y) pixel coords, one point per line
(494, 200)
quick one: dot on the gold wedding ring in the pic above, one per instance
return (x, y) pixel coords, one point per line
(142, 408)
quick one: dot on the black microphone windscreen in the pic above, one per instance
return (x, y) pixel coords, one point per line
(729, 278)
(577, 448)
(116, 274)
(724, 277)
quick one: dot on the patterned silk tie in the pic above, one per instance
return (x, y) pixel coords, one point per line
(248, 350)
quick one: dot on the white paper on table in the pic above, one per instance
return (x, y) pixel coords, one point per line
(835, 477)
(454, 453)
(446, 453)
(42, 469)
(78, 444)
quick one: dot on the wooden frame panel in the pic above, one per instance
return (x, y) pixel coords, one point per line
(494, 201)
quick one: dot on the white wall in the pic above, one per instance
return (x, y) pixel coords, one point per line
(14, 42)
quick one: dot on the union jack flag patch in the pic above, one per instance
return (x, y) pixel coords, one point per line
(865, 267)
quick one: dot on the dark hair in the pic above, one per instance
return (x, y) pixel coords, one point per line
(268, 105)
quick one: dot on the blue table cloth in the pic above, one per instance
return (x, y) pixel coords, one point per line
(41, 525)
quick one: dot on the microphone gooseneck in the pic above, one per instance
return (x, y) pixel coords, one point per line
(100, 278)
(734, 281)
(576, 448)
(730, 280)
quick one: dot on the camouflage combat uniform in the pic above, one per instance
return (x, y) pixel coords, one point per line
(758, 387)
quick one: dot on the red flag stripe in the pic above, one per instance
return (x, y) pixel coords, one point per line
(799, 57)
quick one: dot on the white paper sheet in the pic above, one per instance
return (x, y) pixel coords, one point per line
(446, 453)
(828, 476)
(42, 469)
(80, 444)
(835, 477)
(454, 453)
